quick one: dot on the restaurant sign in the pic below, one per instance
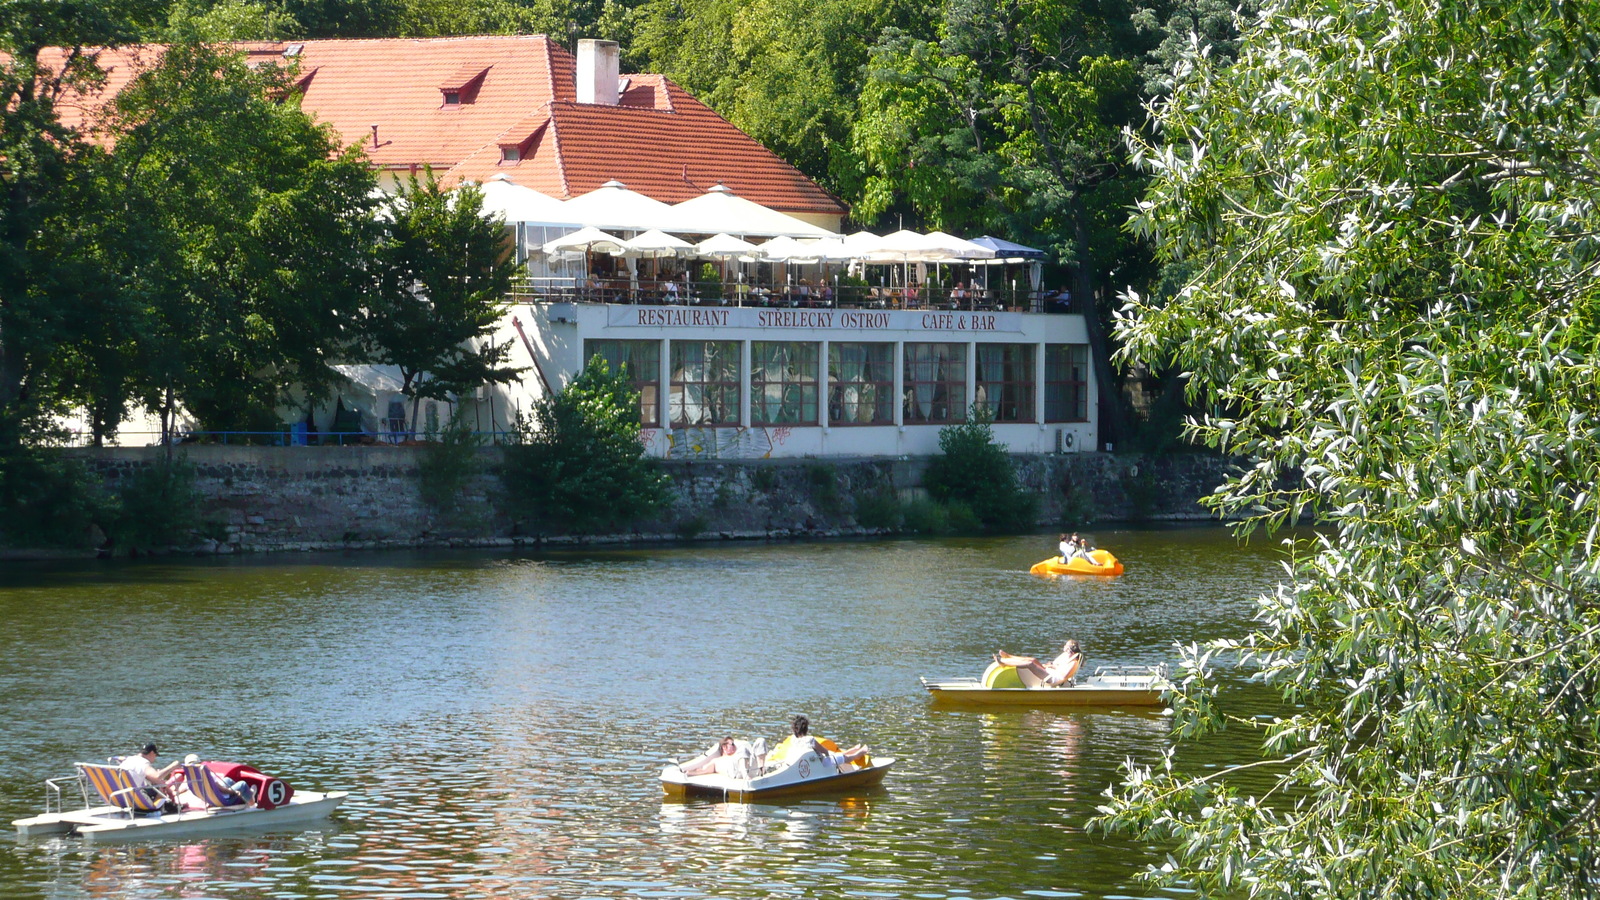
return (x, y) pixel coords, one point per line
(852, 320)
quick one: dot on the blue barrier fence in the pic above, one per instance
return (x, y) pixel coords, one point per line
(285, 438)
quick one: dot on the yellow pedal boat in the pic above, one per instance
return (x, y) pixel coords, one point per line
(1005, 686)
(1104, 564)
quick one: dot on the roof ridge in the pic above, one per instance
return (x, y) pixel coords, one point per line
(555, 147)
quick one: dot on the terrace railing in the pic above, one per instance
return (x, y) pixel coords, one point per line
(703, 293)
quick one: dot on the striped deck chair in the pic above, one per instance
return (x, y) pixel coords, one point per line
(204, 784)
(116, 787)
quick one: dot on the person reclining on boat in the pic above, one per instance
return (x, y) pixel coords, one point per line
(803, 744)
(733, 758)
(236, 792)
(153, 781)
(1057, 672)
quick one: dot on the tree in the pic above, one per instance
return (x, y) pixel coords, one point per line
(580, 463)
(240, 235)
(1011, 120)
(974, 471)
(47, 194)
(1389, 210)
(787, 72)
(442, 283)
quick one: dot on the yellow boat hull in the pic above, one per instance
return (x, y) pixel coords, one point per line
(1104, 564)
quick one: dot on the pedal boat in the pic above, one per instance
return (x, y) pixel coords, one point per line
(104, 824)
(1104, 564)
(807, 775)
(1007, 686)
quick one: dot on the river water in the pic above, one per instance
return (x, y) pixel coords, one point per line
(501, 719)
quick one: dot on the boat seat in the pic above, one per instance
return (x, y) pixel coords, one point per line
(208, 788)
(115, 785)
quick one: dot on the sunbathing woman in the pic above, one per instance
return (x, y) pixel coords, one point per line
(1057, 672)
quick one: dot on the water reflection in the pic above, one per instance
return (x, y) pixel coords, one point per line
(501, 721)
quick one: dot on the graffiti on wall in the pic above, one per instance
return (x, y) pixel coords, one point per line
(725, 443)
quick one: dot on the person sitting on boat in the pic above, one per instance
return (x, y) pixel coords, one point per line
(803, 744)
(1074, 548)
(142, 766)
(1055, 673)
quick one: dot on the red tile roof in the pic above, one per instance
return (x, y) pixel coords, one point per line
(658, 140)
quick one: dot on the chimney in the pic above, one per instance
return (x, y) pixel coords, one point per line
(597, 72)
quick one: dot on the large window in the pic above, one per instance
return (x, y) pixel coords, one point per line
(1004, 386)
(783, 382)
(642, 361)
(1066, 382)
(860, 384)
(705, 383)
(936, 383)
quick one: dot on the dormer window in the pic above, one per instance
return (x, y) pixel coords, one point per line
(511, 154)
(461, 87)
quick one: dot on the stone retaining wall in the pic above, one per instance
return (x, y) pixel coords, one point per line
(320, 498)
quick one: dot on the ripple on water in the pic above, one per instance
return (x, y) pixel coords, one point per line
(501, 721)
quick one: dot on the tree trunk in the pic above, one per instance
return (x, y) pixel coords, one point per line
(1112, 418)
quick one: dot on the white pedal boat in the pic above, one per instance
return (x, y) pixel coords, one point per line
(807, 775)
(110, 822)
(1007, 686)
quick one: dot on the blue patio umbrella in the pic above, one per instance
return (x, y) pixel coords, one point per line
(1004, 248)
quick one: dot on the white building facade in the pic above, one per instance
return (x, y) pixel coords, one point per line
(721, 382)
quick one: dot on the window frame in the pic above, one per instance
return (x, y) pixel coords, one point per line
(1054, 353)
(955, 410)
(882, 386)
(1017, 387)
(810, 390)
(678, 388)
(591, 349)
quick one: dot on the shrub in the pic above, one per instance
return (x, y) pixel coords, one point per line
(924, 516)
(880, 509)
(160, 506)
(975, 471)
(47, 500)
(579, 464)
(448, 464)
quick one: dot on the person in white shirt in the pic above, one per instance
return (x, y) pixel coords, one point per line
(803, 744)
(142, 766)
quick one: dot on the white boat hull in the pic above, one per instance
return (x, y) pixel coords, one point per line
(804, 777)
(1111, 689)
(104, 824)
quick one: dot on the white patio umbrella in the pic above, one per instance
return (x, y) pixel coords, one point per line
(905, 246)
(613, 206)
(726, 246)
(958, 249)
(721, 210)
(522, 204)
(787, 249)
(585, 240)
(655, 244)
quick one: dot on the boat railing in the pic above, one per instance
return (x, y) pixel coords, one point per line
(1113, 673)
(52, 790)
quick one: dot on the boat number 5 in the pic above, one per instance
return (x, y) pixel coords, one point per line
(805, 769)
(275, 793)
